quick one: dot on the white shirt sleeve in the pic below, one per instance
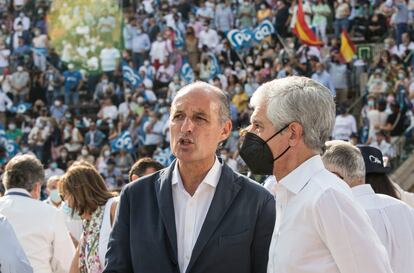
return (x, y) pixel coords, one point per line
(349, 235)
(62, 248)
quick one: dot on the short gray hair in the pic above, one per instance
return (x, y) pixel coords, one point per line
(345, 157)
(302, 100)
(224, 104)
(23, 171)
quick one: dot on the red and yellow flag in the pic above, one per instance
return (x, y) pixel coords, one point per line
(302, 30)
(347, 47)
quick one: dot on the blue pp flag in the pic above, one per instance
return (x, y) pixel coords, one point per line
(131, 76)
(262, 31)
(20, 108)
(122, 142)
(178, 39)
(214, 66)
(187, 72)
(239, 38)
(12, 148)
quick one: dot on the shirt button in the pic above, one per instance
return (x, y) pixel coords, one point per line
(187, 257)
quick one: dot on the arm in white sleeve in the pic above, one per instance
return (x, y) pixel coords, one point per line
(347, 232)
(62, 249)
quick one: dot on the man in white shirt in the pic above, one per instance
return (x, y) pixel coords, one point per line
(208, 37)
(319, 228)
(109, 59)
(39, 227)
(392, 219)
(345, 125)
(383, 145)
(197, 215)
(12, 257)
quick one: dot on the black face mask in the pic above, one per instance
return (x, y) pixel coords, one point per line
(257, 155)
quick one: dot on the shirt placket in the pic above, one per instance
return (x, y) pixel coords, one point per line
(189, 224)
(281, 198)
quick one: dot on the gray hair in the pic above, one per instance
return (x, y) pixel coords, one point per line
(224, 104)
(23, 171)
(302, 100)
(347, 158)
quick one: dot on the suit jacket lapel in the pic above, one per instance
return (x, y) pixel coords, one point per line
(166, 206)
(225, 193)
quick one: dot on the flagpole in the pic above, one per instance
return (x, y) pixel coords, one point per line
(282, 42)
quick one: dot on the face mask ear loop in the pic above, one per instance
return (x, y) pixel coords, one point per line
(284, 152)
(275, 134)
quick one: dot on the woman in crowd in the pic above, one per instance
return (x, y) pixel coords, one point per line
(85, 192)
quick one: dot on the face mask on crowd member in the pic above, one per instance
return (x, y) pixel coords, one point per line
(54, 196)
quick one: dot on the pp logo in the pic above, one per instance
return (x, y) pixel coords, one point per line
(263, 30)
(239, 38)
(129, 75)
(187, 72)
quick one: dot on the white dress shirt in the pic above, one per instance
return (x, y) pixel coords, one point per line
(320, 228)
(12, 257)
(394, 223)
(41, 231)
(190, 211)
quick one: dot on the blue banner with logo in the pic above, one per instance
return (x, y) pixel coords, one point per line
(244, 38)
(12, 148)
(186, 72)
(262, 31)
(240, 38)
(20, 108)
(130, 75)
(122, 142)
(214, 66)
(178, 39)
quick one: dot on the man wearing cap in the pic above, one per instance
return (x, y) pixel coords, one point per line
(318, 228)
(392, 219)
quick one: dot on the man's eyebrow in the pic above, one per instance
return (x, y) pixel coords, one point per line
(200, 113)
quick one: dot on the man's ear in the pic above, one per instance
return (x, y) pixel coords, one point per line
(225, 133)
(296, 131)
(134, 177)
(36, 190)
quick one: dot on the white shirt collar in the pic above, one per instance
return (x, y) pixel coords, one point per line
(20, 190)
(296, 180)
(212, 178)
(361, 190)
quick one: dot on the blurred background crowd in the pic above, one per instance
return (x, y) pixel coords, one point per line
(64, 104)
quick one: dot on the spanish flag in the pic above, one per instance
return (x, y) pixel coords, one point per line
(302, 30)
(347, 47)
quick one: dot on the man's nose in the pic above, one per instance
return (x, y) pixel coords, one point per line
(188, 125)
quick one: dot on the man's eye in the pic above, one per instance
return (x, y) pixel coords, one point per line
(178, 116)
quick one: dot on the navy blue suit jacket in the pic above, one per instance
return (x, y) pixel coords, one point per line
(235, 236)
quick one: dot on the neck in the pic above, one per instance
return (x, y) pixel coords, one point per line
(193, 173)
(356, 182)
(287, 163)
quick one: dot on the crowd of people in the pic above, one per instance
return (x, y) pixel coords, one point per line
(329, 202)
(81, 128)
(61, 111)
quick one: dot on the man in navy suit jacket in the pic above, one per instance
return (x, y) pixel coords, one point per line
(197, 215)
